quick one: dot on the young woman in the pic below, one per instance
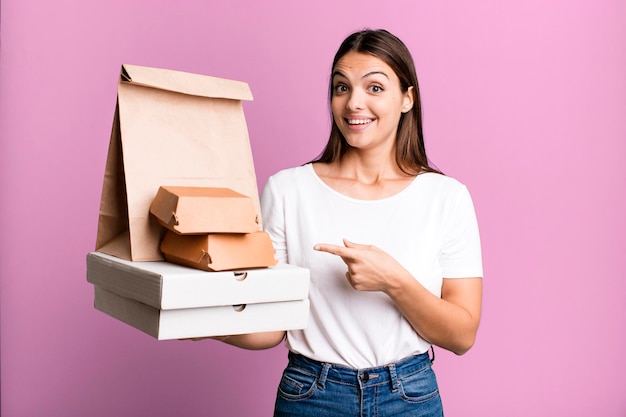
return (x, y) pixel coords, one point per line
(392, 245)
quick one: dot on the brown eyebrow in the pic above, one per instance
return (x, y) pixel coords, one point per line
(337, 72)
(374, 73)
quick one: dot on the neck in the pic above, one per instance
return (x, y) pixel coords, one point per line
(369, 167)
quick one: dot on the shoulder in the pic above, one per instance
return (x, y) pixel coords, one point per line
(291, 175)
(446, 193)
(290, 181)
(441, 184)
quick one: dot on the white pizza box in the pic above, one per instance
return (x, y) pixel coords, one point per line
(167, 286)
(204, 321)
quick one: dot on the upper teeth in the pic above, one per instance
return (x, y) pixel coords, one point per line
(358, 121)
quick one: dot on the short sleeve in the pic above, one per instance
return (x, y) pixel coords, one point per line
(461, 255)
(272, 213)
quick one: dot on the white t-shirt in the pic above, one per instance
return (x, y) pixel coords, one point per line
(429, 227)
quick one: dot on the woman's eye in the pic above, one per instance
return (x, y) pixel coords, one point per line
(340, 88)
(376, 89)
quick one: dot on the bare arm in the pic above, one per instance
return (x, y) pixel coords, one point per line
(450, 322)
(251, 341)
(254, 341)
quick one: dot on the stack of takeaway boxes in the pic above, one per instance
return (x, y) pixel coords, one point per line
(181, 251)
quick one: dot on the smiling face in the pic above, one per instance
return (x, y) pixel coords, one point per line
(367, 101)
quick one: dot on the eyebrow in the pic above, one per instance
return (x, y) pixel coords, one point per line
(337, 72)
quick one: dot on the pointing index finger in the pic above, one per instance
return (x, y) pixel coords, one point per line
(332, 249)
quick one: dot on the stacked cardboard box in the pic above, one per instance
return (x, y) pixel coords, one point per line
(169, 301)
(179, 144)
(213, 229)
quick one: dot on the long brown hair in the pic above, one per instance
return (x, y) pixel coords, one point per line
(410, 150)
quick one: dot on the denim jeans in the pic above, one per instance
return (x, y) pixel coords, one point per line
(314, 389)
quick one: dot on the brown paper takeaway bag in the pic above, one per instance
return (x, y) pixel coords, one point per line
(170, 128)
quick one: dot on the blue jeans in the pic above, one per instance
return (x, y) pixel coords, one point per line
(314, 389)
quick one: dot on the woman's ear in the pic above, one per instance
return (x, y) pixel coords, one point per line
(408, 99)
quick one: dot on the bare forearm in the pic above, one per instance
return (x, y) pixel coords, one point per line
(254, 341)
(449, 322)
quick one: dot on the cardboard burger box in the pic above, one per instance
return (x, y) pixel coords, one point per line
(199, 210)
(173, 128)
(213, 229)
(219, 251)
(170, 301)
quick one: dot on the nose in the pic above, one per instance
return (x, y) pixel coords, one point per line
(356, 100)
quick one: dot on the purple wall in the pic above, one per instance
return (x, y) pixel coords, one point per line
(524, 102)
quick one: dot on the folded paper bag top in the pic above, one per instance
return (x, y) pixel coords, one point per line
(201, 210)
(219, 251)
(185, 82)
(173, 128)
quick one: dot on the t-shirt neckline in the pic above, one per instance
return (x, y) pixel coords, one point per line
(358, 200)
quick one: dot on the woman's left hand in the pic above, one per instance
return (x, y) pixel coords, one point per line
(369, 267)
(450, 321)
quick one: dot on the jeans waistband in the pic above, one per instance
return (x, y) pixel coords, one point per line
(386, 374)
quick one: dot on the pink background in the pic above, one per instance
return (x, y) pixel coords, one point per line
(524, 102)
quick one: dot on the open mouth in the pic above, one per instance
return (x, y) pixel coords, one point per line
(354, 122)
